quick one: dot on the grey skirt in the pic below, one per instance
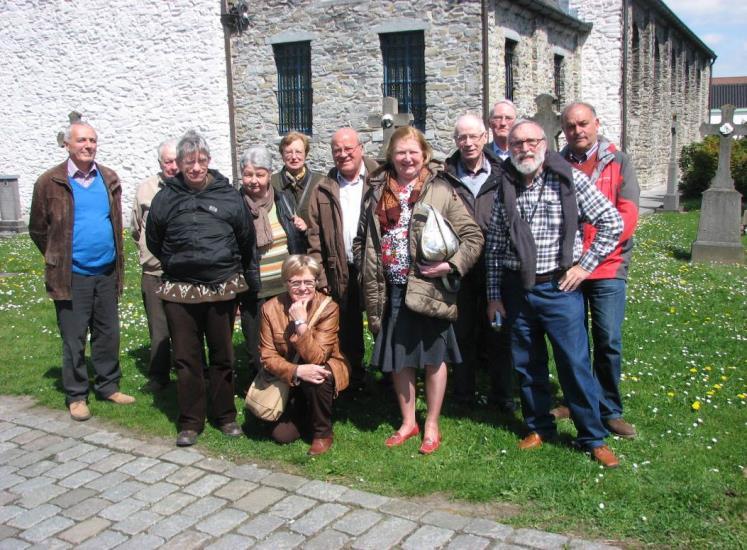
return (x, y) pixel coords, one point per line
(409, 339)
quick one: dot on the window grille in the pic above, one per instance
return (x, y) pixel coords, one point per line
(510, 60)
(293, 61)
(403, 55)
(559, 79)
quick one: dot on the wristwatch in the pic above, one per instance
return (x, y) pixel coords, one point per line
(299, 322)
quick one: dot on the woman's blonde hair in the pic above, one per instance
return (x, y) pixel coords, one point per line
(408, 132)
(290, 137)
(297, 263)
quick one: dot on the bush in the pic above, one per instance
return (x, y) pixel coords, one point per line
(699, 161)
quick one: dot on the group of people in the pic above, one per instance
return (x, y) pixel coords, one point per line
(544, 243)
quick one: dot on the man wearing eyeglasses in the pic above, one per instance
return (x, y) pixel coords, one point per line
(612, 172)
(502, 118)
(334, 209)
(535, 264)
(475, 174)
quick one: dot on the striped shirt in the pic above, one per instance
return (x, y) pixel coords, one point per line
(539, 204)
(272, 258)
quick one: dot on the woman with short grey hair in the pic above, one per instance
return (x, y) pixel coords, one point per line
(280, 233)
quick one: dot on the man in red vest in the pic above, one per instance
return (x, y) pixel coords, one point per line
(612, 172)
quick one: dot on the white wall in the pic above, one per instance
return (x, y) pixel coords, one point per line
(138, 70)
(601, 62)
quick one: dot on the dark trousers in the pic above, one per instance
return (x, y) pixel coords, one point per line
(159, 363)
(250, 307)
(479, 343)
(547, 311)
(351, 327)
(309, 411)
(188, 325)
(93, 308)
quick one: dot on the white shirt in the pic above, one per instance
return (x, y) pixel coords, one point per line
(351, 195)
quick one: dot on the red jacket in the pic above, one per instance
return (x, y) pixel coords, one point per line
(615, 177)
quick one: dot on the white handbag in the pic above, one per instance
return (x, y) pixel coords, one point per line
(438, 241)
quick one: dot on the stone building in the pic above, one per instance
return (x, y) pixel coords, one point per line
(130, 67)
(143, 71)
(728, 90)
(316, 65)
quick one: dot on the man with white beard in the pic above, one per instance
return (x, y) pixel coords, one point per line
(535, 264)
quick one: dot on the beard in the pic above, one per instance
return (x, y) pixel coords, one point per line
(528, 163)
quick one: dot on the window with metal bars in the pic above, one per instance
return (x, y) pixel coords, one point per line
(403, 54)
(509, 61)
(293, 61)
(558, 79)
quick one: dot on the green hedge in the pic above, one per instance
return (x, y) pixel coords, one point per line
(698, 164)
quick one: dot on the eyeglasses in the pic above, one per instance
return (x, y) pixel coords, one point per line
(462, 138)
(502, 117)
(298, 283)
(531, 142)
(337, 151)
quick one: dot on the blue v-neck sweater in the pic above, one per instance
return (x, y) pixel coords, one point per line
(93, 236)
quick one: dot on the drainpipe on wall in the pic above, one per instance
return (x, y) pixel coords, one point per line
(624, 114)
(485, 63)
(229, 89)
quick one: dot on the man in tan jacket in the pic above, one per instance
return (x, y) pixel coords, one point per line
(334, 209)
(159, 363)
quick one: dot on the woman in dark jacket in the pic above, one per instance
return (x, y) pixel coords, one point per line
(280, 233)
(198, 227)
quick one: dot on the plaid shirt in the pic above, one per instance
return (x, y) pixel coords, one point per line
(547, 228)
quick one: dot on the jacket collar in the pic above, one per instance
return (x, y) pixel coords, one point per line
(496, 167)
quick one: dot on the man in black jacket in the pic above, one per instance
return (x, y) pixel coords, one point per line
(199, 229)
(475, 174)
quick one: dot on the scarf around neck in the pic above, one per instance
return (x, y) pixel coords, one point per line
(388, 210)
(260, 210)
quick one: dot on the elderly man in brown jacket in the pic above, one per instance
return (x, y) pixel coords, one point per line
(334, 209)
(76, 222)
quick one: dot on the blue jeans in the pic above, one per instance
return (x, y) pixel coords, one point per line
(605, 301)
(545, 310)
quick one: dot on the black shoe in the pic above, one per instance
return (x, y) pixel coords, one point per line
(154, 386)
(231, 429)
(186, 438)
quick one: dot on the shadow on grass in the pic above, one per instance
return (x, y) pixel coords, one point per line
(678, 253)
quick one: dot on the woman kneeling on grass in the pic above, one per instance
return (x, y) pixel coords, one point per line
(309, 359)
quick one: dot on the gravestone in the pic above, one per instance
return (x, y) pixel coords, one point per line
(548, 118)
(10, 206)
(389, 121)
(718, 232)
(672, 196)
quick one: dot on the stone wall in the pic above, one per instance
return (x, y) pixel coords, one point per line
(346, 67)
(138, 71)
(538, 41)
(668, 75)
(601, 62)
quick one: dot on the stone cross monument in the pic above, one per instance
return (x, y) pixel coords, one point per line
(74, 116)
(389, 121)
(548, 118)
(672, 197)
(718, 232)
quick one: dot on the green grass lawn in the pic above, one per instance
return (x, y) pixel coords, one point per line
(682, 483)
